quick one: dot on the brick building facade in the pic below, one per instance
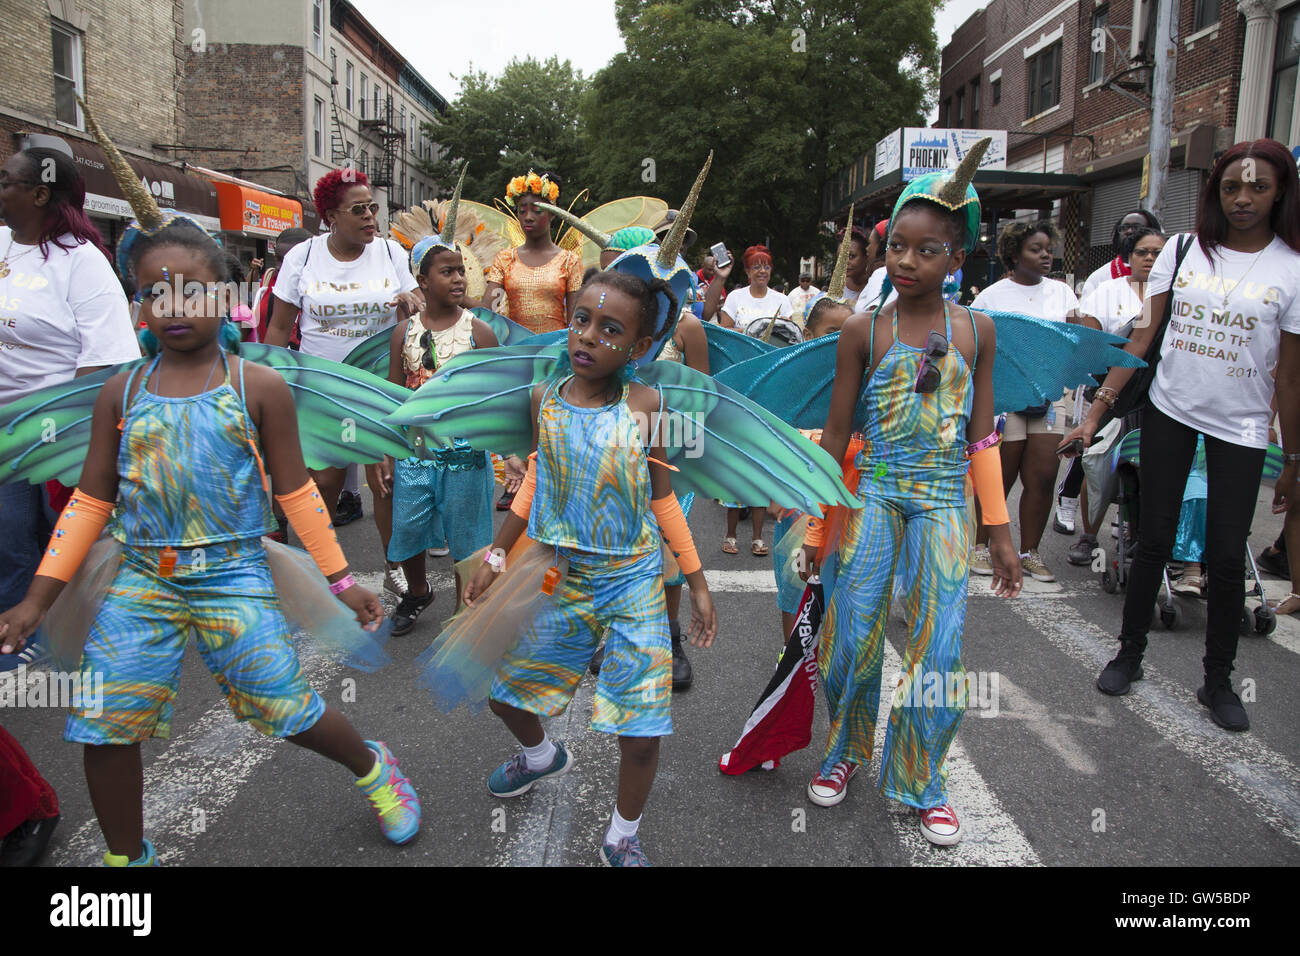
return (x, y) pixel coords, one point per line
(1059, 77)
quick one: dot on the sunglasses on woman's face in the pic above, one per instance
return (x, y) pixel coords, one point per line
(359, 209)
(928, 375)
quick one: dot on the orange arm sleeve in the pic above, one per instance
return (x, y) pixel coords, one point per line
(523, 502)
(306, 511)
(79, 525)
(986, 474)
(675, 530)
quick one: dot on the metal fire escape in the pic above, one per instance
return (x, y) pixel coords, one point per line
(339, 155)
(390, 136)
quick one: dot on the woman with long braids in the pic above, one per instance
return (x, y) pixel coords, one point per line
(1234, 315)
(346, 287)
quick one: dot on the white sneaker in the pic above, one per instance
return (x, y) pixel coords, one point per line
(439, 552)
(395, 581)
(1066, 510)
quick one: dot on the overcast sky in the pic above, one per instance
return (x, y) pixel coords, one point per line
(445, 40)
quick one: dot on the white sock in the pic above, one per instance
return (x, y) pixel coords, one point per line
(541, 756)
(620, 829)
(350, 483)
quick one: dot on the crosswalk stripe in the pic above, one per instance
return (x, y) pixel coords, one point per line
(1261, 777)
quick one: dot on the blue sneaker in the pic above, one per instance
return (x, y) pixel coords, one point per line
(392, 796)
(627, 853)
(513, 777)
(147, 858)
(32, 655)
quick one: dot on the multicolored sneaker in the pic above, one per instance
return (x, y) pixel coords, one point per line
(147, 858)
(392, 796)
(627, 853)
(513, 777)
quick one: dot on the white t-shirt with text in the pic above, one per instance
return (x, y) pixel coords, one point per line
(1214, 366)
(343, 303)
(744, 308)
(58, 315)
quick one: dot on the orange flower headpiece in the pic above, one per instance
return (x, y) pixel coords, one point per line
(534, 184)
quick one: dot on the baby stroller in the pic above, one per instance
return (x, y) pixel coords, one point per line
(1111, 469)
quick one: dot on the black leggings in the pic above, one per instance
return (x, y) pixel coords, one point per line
(1234, 471)
(1073, 481)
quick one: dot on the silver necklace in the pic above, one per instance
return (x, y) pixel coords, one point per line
(1218, 314)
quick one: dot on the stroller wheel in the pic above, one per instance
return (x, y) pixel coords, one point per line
(1265, 620)
(1109, 581)
(1171, 616)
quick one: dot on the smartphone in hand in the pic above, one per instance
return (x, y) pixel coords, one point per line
(1071, 449)
(720, 257)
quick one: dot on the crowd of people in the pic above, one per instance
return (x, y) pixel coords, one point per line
(201, 441)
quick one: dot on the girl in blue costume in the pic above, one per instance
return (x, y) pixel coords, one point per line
(175, 449)
(927, 405)
(590, 463)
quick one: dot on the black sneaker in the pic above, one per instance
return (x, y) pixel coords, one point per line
(1080, 553)
(1274, 562)
(409, 608)
(348, 510)
(1120, 673)
(1225, 705)
(681, 666)
(26, 844)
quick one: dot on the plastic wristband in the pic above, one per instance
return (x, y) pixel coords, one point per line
(497, 562)
(988, 441)
(342, 584)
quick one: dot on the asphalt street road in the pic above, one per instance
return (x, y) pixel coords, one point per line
(1059, 774)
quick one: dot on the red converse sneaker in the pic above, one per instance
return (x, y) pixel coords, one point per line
(828, 790)
(940, 826)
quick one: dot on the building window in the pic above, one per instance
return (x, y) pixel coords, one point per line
(1285, 61)
(347, 86)
(975, 104)
(365, 93)
(996, 86)
(945, 114)
(959, 113)
(67, 75)
(318, 127)
(363, 162)
(1044, 80)
(334, 64)
(1099, 39)
(1207, 14)
(318, 27)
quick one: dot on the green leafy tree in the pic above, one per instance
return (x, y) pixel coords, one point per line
(785, 93)
(526, 117)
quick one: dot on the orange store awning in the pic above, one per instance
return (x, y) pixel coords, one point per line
(254, 212)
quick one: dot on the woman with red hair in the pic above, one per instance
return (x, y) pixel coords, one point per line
(341, 289)
(755, 301)
(1234, 298)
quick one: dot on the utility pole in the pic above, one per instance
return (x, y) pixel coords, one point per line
(1164, 57)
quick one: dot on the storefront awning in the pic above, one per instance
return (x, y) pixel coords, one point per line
(254, 212)
(998, 189)
(172, 188)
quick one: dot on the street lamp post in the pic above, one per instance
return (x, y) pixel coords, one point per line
(1162, 105)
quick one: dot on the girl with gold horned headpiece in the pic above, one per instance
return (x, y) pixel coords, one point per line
(186, 447)
(918, 382)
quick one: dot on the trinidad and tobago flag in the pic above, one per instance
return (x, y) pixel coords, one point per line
(782, 719)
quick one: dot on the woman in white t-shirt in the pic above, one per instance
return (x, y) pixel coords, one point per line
(1235, 313)
(1122, 238)
(756, 300)
(1030, 436)
(343, 288)
(62, 314)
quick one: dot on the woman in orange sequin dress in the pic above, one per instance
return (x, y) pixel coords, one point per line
(539, 280)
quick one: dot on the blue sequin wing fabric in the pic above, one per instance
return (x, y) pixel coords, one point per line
(728, 347)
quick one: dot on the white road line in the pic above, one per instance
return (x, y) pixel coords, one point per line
(1016, 704)
(203, 768)
(763, 581)
(1288, 627)
(1262, 778)
(990, 837)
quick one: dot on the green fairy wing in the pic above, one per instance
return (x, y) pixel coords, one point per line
(45, 435)
(483, 397)
(341, 409)
(729, 448)
(372, 354)
(507, 332)
(728, 347)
